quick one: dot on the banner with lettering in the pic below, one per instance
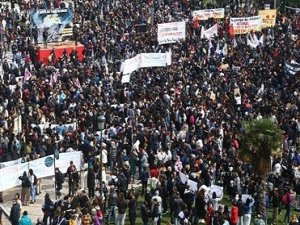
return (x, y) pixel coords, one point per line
(144, 60)
(244, 25)
(268, 17)
(205, 14)
(170, 32)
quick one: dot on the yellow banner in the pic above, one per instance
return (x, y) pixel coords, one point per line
(268, 17)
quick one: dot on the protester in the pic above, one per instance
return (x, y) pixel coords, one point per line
(176, 125)
(25, 219)
(26, 185)
(15, 213)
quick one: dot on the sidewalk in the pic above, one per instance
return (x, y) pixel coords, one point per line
(35, 210)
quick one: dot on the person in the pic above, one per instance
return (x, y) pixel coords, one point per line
(86, 217)
(15, 213)
(73, 178)
(156, 213)
(248, 211)
(91, 182)
(48, 209)
(287, 200)
(18, 200)
(59, 180)
(132, 206)
(259, 220)
(122, 207)
(145, 212)
(25, 188)
(25, 219)
(275, 204)
(240, 205)
(177, 207)
(45, 37)
(112, 203)
(234, 216)
(294, 220)
(33, 187)
(144, 178)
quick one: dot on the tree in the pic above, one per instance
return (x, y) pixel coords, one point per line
(261, 140)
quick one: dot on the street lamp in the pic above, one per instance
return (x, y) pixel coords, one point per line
(101, 127)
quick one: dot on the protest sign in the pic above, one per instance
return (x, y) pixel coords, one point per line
(170, 32)
(268, 17)
(244, 25)
(205, 14)
(144, 60)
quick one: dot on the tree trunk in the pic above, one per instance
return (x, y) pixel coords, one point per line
(262, 187)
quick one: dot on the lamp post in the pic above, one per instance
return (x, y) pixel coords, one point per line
(101, 127)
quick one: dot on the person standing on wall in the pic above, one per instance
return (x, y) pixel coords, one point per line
(33, 187)
(45, 37)
(25, 188)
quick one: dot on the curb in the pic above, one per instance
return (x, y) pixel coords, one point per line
(5, 211)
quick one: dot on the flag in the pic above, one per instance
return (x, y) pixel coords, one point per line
(77, 83)
(27, 75)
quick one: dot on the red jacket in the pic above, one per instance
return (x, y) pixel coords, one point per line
(234, 216)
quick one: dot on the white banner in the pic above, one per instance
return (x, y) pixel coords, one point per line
(10, 163)
(146, 60)
(245, 25)
(130, 65)
(126, 79)
(43, 167)
(205, 14)
(209, 33)
(170, 32)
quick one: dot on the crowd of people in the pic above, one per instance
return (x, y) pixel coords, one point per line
(182, 118)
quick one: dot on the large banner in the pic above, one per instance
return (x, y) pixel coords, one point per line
(43, 167)
(146, 60)
(268, 17)
(170, 32)
(245, 25)
(205, 14)
(210, 33)
(54, 21)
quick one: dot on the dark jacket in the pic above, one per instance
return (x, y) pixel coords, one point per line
(145, 213)
(122, 205)
(15, 214)
(240, 207)
(91, 179)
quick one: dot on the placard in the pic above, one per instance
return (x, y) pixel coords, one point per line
(268, 17)
(245, 25)
(171, 32)
(205, 14)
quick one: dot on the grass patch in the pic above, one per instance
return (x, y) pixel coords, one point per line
(166, 218)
